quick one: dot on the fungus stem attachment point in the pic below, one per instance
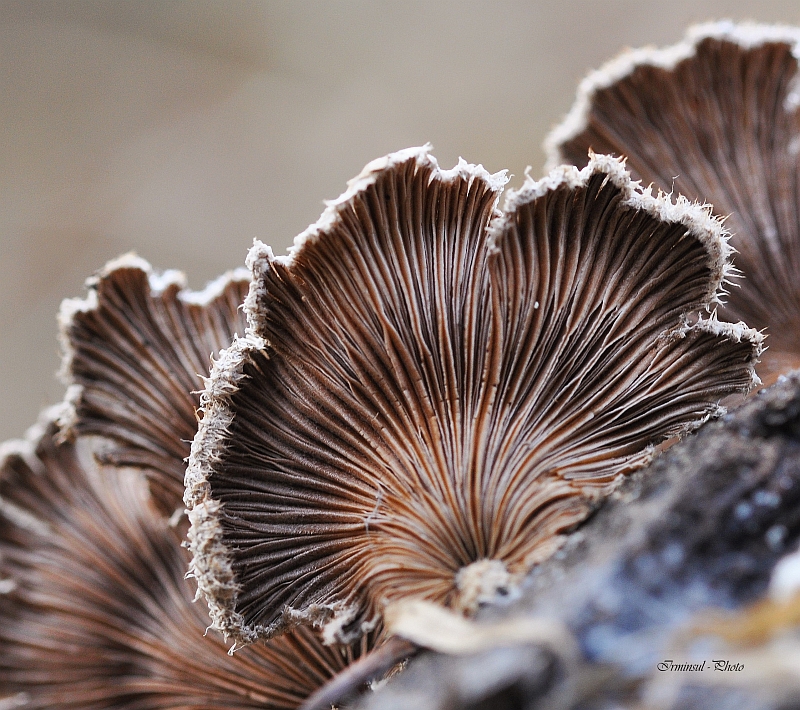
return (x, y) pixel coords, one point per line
(481, 582)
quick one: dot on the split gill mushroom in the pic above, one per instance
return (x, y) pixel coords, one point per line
(432, 392)
(715, 118)
(135, 350)
(96, 611)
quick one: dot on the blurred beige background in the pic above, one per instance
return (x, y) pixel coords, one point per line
(183, 129)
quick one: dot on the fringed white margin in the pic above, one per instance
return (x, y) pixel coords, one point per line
(211, 564)
(261, 256)
(367, 177)
(737, 332)
(747, 35)
(698, 219)
(25, 448)
(211, 558)
(158, 283)
(699, 222)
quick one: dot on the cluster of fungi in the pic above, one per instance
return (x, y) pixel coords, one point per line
(420, 401)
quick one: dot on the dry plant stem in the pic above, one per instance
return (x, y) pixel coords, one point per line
(432, 392)
(371, 667)
(714, 118)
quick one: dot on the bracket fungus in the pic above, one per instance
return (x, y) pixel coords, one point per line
(94, 608)
(714, 118)
(432, 391)
(97, 611)
(135, 350)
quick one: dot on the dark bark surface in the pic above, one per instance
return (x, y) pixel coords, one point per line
(693, 538)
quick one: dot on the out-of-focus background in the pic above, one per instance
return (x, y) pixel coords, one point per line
(182, 129)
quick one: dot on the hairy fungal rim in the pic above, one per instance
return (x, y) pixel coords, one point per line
(158, 282)
(261, 255)
(698, 219)
(210, 564)
(213, 559)
(747, 35)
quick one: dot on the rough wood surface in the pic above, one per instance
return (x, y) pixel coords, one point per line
(693, 539)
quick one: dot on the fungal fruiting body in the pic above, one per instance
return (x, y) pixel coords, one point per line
(714, 118)
(135, 351)
(432, 392)
(96, 611)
